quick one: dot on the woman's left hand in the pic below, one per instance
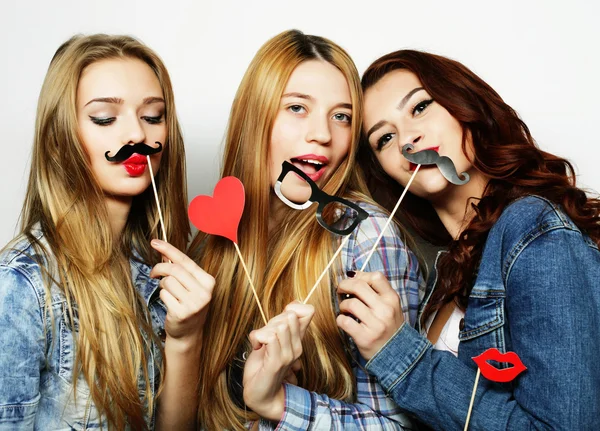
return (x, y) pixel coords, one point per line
(275, 351)
(377, 307)
(186, 290)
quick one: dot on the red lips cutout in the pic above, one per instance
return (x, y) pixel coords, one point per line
(221, 213)
(499, 375)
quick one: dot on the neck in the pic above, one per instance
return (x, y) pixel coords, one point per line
(453, 206)
(118, 210)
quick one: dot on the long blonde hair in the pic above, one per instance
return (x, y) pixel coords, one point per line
(295, 256)
(94, 273)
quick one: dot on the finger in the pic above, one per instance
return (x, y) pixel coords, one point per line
(175, 288)
(169, 300)
(361, 290)
(358, 309)
(295, 336)
(284, 336)
(177, 256)
(296, 365)
(273, 361)
(350, 326)
(378, 282)
(178, 272)
(305, 313)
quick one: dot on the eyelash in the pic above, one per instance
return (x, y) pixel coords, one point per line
(109, 120)
(348, 118)
(416, 110)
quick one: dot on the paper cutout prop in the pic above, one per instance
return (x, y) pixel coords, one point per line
(322, 198)
(431, 157)
(494, 374)
(221, 215)
(128, 150)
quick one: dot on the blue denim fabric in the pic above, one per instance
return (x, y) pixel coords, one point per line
(37, 348)
(537, 293)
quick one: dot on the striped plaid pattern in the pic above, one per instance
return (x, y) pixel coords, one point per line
(373, 410)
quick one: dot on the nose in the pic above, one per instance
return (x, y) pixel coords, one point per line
(410, 138)
(133, 131)
(318, 130)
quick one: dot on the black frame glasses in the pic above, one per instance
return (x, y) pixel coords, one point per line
(319, 196)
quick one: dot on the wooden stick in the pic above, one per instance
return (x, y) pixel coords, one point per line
(344, 241)
(389, 220)
(251, 284)
(160, 217)
(472, 399)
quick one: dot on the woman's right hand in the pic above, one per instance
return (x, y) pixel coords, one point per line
(186, 290)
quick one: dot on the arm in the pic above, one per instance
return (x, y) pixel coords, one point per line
(186, 290)
(22, 356)
(374, 410)
(553, 319)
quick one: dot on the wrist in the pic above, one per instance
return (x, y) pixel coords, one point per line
(183, 345)
(273, 411)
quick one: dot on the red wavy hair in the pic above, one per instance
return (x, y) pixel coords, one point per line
(504, 151)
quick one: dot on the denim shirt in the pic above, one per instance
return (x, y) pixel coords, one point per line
(537, 293)
(38, 352)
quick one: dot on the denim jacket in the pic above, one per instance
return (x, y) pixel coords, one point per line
(537, 293)
(37, 348)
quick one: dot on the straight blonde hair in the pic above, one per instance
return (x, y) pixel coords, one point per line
(65, 200)
(284, 263)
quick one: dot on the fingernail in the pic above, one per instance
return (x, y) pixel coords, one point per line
(350, 274)
(156, 243)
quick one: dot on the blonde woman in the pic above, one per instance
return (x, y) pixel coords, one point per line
(299, 102)
(81, 315)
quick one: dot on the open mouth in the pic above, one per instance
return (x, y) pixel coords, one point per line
(313, 166)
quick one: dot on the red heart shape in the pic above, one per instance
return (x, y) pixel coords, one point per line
(221, 213)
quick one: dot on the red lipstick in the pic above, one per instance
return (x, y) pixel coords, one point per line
(490, 372)
(135, 165)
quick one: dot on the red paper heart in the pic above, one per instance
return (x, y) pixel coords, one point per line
(221, 213)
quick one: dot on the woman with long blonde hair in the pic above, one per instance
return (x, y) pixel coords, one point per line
(299, 102)
(82, 313)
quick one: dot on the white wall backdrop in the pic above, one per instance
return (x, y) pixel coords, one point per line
(543, 57)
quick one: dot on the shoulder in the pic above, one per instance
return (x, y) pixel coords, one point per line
(528, 218)
(21, 279)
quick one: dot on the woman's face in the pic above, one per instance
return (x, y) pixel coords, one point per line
(312, 129)
(398, 111)
(120, 102)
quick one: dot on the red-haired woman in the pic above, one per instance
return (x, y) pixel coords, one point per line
(522, 268)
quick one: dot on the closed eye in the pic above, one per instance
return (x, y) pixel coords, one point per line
(103, 121)
(153, 120)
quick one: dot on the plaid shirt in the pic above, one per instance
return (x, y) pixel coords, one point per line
(373, 410)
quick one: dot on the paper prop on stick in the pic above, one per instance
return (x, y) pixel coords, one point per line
(131, 155)
(431, 157)
(494, 374)
(221, 215)
(330, 212)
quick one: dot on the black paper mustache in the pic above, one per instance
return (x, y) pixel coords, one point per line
(127, 150)
(431, 157)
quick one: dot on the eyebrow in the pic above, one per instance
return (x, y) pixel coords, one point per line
(400, 106)
(309, 97)
(118, 101)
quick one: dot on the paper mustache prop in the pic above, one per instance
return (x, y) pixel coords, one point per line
(431, 157)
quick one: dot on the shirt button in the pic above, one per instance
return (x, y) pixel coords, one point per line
(461, 324)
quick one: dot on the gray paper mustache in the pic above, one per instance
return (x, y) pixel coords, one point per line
(430, 157)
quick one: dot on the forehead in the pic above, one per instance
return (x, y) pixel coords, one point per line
(386, 94)
(128, 79)
(320, 80)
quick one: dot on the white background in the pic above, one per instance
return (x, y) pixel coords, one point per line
(543, 58)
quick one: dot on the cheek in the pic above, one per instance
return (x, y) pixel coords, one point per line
(341, 142)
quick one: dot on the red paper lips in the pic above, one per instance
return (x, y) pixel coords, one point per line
(499, 375)
(221, 213)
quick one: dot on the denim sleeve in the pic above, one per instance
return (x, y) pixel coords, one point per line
(22, 342)
(553, 318)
